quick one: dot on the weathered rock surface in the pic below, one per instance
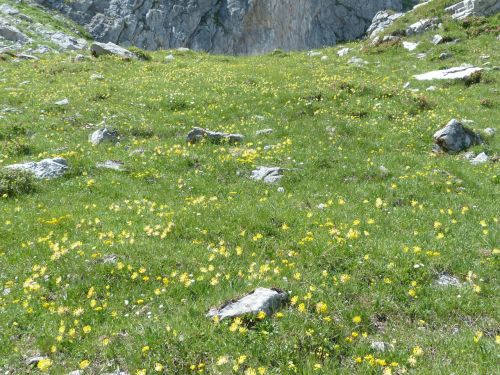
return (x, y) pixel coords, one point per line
(103, 135)
(228, 26)
(468, 8)
(12, 33)
(261, 299)
(422, 26)
(447, 280)
(46, 168)
(111, 164)
(198, 134)
(459, 72)
(455, 137)
(67, 42)
(100, 49)
(480, 159)
(381, 21)
(267, 174)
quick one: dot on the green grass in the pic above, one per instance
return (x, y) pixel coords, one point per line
(140, 256)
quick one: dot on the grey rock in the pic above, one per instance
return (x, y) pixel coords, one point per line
(261, 299)
(75, 372)
(97, 77)
(313, 53)
(226, 27)
(431, 88)
(410, 46)
(33, 361)
(103, 135)
(8, 10)
(490, 132)
(41, 49)
(437, 39)
(267, 174)
(169, 57)
(460, 72)
(445, 55)
(421, 56)
(198, 134)
(44, 169)
(381, 21)
(67, 42)
(468, 8)
(381, 346)
(455, 137)
(357, 61)
(447, 280)
(101, 49)
(480, 159)
(25, 56)
(79, 58)
(264, 131)
(343, 51)
(111, 164)
(13, 34)
(62, 102)
(422, 26)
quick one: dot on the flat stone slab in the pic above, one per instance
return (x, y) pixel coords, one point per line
(447, 280)
(267, 174)
(46, 168)
(198, 134)
(112, 164)
(459, 72)
(261, 299)
(101, 49)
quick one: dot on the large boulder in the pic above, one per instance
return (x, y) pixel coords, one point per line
(459, 72)
(422, 26)
(226, 27)
(261, 299)
(468, 8)
(455, 137)
(101, 49)
(46, 168)
(198, 134)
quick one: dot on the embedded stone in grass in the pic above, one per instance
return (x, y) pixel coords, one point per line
(46, 168)
(447, 280)
(357, 61)
(100, 49)
(111, 164)
(103, 135)
(458, 72)
(264, 132)
(13, 34)
(62, 102)
(490, 132)
(33, 361)
(267, 174)
(410, 46)
(198, 134)
(343, 52)
(437, 39)
(455, 137)
(480, 159)
(261, 299)
(422, 26)
(381, 346)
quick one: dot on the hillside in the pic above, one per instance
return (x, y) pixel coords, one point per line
(388, 251)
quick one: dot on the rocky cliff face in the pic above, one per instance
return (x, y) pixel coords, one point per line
(225, 26)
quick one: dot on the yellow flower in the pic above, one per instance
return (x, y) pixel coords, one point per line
(242, 359)
(87, 329)
(84, 364)
(145, 349)
(321, 308)
(140, 372)
(261, 315)
(356, 319)
(158, 367)
(222, 360)
(478, 336)
(417, 351)
(44, 364)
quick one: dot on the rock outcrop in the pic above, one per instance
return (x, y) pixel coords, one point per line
(467, 8)
(225, 26)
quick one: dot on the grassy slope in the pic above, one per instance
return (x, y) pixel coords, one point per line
(285, 240)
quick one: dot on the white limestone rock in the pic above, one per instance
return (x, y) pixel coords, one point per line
(103, 135)
(261, 299)
(198, 134)
(44, 169)
(459, 72)
(269, 175)
(101, 49)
